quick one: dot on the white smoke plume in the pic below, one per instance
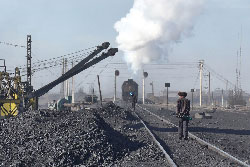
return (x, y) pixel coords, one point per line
(151, 26)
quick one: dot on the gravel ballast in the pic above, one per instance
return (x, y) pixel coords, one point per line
(228, 130)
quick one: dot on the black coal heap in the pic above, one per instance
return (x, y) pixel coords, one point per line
(51, 138)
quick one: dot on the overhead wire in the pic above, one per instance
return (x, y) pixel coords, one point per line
(75, 59)
(54, 62)
(188, 65)
(196, 79)
(11, 44)
(51, 66)
(219, 76)
(59, 57)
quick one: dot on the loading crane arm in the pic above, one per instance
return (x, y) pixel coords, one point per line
(84, 64)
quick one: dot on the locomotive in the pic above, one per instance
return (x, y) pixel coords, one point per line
(128, 87)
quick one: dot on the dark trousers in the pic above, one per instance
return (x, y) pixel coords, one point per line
(183, 124)
(133, 106)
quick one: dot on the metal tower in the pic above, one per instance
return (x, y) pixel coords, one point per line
(29, 73)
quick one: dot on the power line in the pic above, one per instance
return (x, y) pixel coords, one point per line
(218, 76)
(197, 78)
(11, 44)
(60, 57)
(50, 65)
(161, 64)
(72, 58)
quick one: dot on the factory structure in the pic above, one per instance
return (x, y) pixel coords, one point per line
(18, 96)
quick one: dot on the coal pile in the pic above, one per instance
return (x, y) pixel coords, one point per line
(116, 113)
(145, 152)
(50, 138)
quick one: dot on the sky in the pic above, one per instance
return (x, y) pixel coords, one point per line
(59, 27)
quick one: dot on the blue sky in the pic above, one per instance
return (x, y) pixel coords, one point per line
(61, 26)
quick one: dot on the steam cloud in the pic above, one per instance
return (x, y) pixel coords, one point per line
(151, 26)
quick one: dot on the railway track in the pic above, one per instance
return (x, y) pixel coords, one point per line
(194, 152)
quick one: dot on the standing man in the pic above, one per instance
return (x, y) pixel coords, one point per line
(134, 99)
(182, 112)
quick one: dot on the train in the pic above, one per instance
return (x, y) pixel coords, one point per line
(127, 87)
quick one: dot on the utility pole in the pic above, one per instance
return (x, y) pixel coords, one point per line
(66, 82)
(192, 91)
(153, 95)
(29, 72)
(167, 85)
(68, 88)
(73, 86)
(116, 74)
(93, 91)
(63, 83)
(143, 89)
(222, 98)
(212, 99)
(201, 74)
(100, 92)
(209, 88)
(152, 84)
(167, 97)
(115, 90)
(145, 75)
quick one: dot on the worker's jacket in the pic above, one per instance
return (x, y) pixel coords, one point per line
(183, 107)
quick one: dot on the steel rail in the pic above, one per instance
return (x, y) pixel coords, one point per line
(169, 159)
(202, 142)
